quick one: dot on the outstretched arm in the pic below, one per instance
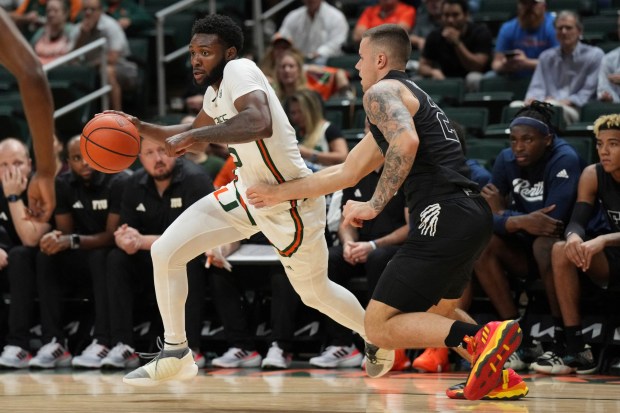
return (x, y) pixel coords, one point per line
(363, 158)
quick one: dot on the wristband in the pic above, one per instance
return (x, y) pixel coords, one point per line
(314, 158)
(12, 198)
(75, 241)
(373, 245)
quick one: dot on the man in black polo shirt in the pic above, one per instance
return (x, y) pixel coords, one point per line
(73, 255)
(459, 48)
(153, 198)
(362, 252)
(23, 238)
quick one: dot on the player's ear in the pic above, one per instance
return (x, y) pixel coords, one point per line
(381, 60)
(231, 53)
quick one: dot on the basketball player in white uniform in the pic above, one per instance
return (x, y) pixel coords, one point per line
(241, 110)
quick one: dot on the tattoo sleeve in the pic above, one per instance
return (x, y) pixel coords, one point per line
(385, 108)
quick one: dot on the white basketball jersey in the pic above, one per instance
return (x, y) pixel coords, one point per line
(272, 160)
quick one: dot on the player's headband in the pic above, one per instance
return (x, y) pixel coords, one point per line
(540, 126)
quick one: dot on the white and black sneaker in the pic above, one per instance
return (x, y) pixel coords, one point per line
(236, 357)
(51, 355)
(14, 357)
(580, 363)
(91, 357)
(338, 356)
(121, 356)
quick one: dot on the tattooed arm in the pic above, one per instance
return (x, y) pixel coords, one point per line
(390, 106)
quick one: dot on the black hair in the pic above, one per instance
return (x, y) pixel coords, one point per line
(463, 3)
(538, 110)
(229, 32)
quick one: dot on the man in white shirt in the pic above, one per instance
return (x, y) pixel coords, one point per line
(318, 29)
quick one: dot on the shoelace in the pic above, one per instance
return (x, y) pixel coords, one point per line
(154, 356)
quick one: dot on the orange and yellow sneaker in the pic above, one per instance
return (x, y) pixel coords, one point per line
(512, 387)
(490, 348)
(432, 360)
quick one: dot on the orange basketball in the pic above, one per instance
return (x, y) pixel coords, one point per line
(110, 143)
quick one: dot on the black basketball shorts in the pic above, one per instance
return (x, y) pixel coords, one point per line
(436, 261)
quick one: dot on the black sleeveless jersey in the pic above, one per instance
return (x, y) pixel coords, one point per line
(439, 168)
(609, 194)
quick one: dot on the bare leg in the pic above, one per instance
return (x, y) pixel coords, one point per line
(390, 328)
(542, 253)
(450, 309)
(491, 272)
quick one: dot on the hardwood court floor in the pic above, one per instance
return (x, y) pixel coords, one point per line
(295, 390)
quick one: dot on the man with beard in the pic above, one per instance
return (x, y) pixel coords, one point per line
(532, 191)
(521, 40)
(71, 258)
(241, 110)
(459, 48)
(153, 197)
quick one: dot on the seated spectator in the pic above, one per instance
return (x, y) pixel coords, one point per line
(72, 258)
(566, 75)
(521, 40)
(317, 29)
(386, 11)
(362, 252)
(320, 142)
(19, 251)
(54, 38)
(122, 73)
(428, 18)
(30, 15)
(531, 193)
(595, 255)
(154, 196)
(228, 286)
(275, 51)
(460, 48)
(609, 75)
(292, 75)
(132, 17)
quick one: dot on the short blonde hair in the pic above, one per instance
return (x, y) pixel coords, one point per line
(606, 122)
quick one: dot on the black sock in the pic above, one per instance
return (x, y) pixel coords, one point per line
(574, 339)
(559, 336)
(458, 332)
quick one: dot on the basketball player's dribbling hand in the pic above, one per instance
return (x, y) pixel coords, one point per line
(137, 122)
(262, 195)
(355, 213)
(41, 198)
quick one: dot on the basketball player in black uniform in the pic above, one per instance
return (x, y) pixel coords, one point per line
(598, 257)
(414, 303)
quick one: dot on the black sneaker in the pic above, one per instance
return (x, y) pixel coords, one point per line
(582, 362)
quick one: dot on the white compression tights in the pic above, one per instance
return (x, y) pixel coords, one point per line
(205, 225)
